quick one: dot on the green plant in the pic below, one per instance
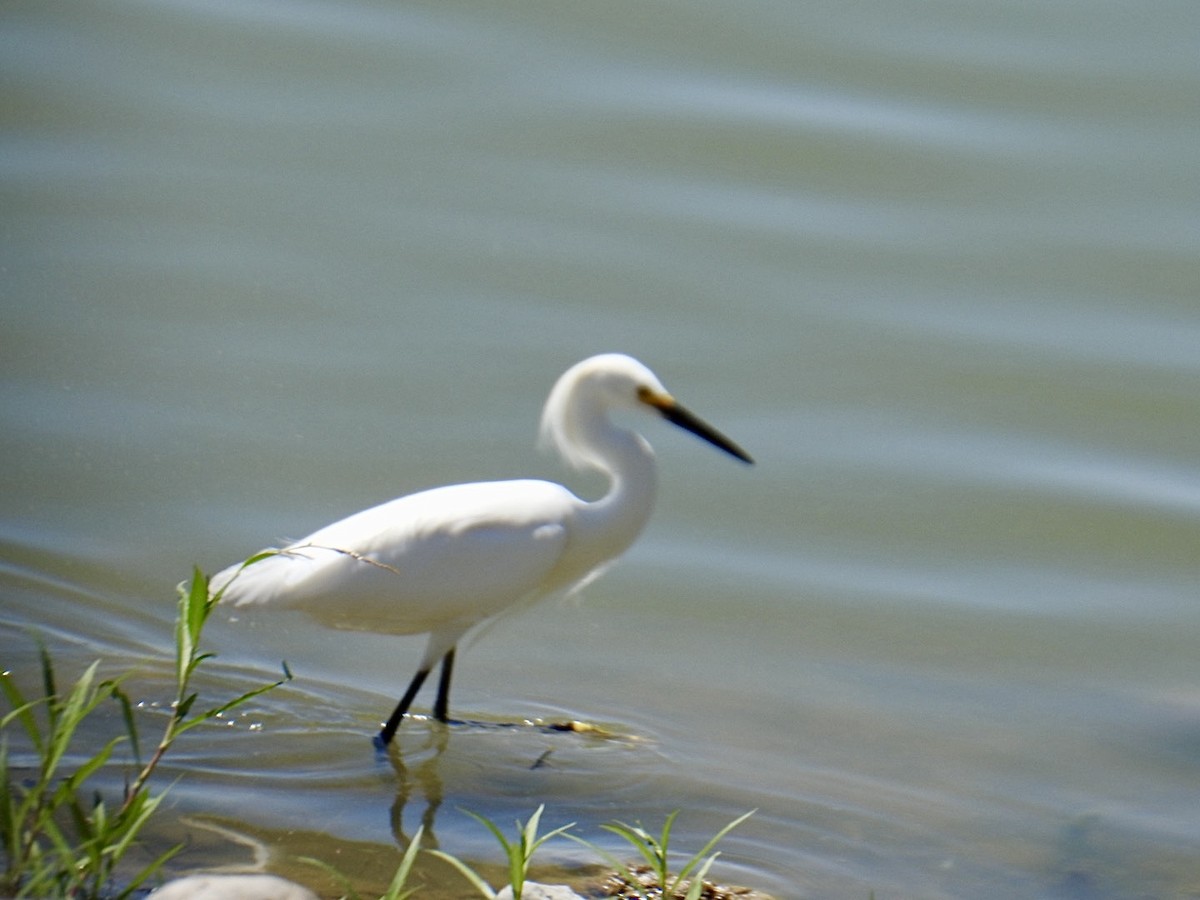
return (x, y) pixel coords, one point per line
(396, 889)
(519, 852)
(58, 840)
(195, 606)
(655, 851)
(55, 841)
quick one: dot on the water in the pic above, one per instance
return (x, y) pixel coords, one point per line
(934, 266)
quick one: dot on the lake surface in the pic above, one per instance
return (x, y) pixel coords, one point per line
(936, 266)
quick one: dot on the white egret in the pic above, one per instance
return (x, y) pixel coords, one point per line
(444, 560)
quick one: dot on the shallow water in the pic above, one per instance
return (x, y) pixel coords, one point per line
(934, 266)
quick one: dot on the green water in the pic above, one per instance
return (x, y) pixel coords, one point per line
(934, 266)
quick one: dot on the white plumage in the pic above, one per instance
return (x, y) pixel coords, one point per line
(444, 560)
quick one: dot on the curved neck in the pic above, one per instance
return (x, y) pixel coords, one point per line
(609, 525)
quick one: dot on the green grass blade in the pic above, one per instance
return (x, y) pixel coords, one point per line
(88, 767)
(131, 730)
(24, 714)
(518, 862)
(249, 695)
(617, 865)
(132, 886)
(529, 832)
(668, 824)
(561, 830)
(193, 610)
(198, 604)
(704, 851)
(225, 707)
(638, 839)
(395, 889)
(334, 873)
(697, 885)
(662, 852)
(257, 557)
(22, 710)
(496, 832)
(134, 817)
(467, 872)
(49, 690)
(65, 719)
(8, 806)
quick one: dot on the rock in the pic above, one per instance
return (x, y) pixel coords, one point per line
(535, 891)
(232, 887)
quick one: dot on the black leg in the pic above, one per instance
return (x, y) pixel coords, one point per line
(389, 729)
(441, 706)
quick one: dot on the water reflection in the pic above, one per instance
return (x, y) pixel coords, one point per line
(419, 778)
(420, 782)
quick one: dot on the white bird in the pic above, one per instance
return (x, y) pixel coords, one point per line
(446, 559)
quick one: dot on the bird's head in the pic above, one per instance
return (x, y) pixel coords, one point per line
(590, 390)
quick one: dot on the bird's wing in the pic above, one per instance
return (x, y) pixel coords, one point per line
(458, 554)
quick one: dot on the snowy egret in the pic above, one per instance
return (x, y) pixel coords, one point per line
(446, 559)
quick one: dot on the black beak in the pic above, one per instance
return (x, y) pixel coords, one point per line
(677, 415)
